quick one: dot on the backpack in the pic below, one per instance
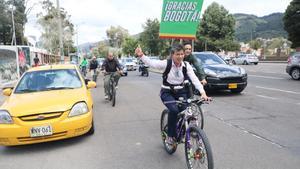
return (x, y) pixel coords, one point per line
(168, 69)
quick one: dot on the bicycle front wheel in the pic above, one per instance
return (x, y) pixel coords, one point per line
(198, 152)
(113, 94)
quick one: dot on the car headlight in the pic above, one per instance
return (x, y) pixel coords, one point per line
(210, 73)
(5, 117)
(243, 72)
(78, 109)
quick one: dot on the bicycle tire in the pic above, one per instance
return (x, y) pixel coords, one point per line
(113, 94)
(163, 131)
(201, 125)
(206, 156)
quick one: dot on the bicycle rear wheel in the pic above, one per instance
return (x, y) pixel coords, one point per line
(198, 152)
(164, 131)
(113, 94)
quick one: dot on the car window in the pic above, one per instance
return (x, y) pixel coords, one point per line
(209, 59)
(48, 80)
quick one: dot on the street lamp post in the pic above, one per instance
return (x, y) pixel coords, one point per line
(61, 46)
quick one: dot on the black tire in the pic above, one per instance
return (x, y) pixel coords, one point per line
(113, 100)
(295, 73)
(245, 63)
(201, 125)
(163, 131)
(192, 155)
(92, 129)
(238, 90)
(233, 62)
(255, 63)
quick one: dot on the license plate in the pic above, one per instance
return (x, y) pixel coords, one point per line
(41, 131)
(232, 86)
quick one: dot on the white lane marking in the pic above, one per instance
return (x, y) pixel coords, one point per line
(267, 97)
(274, 89)
(267, 77)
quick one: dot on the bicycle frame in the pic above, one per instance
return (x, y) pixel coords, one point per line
(186, 118)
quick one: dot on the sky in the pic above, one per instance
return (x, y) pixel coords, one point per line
(93, 17)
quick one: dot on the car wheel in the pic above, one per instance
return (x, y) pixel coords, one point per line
(255, 63)
(92, 130)
(233, 62)
(295, 73)
(238, 90)
(245, 63)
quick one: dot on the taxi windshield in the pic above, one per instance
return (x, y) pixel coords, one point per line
(49, 80)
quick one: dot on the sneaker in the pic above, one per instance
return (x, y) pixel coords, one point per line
(170, 141)
(106, 97)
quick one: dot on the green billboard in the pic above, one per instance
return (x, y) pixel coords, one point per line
(180, 18)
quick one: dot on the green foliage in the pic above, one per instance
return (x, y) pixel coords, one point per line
(291, 21)
(20, 20)
(250, 27)
(129, 46)
(276, 43)
(149, 38)
(216, 31)
(116, 36)
(103, 49)
(256, 44)
(50, 32)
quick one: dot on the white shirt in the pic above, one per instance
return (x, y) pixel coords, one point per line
(175, 76)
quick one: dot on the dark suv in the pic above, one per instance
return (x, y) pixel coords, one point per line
(293, 67)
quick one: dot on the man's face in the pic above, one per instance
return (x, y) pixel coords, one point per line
(187, 49)
(110, 56)
(178, 56)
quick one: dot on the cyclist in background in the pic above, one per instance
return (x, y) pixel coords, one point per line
(110, 66)
(189, 57)
(83, 66)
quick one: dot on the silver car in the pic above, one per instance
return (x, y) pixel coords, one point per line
(245, 59)
(293, 66)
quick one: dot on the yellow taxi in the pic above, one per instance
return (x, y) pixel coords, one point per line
(48, 103)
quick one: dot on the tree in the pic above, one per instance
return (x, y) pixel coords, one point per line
(116, 36)
(103, 49)
(129, 46)
(291, 22)
(50, 32)
(216, 30)
(5, 23)
(20, 19)
(256, 44)
(150, 38)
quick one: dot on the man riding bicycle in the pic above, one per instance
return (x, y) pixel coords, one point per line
(83, 66)
(176, 71)
(93, 68)
(111, 67)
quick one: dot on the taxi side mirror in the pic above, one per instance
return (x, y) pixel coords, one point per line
(91, 84)
(7, 91)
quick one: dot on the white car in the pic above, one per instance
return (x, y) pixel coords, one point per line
(129, 63)
(245, 59)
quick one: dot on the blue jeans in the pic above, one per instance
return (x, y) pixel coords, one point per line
(168, 98)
